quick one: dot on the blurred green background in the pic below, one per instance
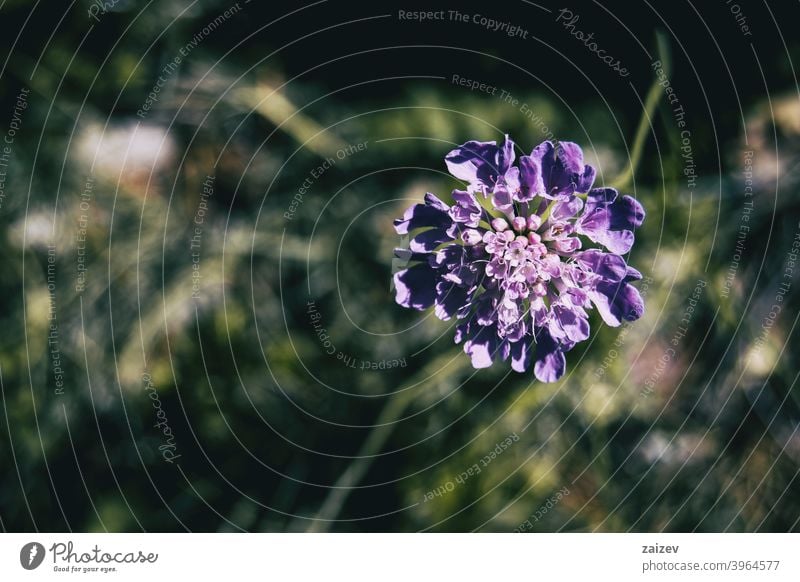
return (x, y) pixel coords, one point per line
(184, 197)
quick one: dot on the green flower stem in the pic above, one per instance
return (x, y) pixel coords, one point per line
(396, 405)
(645, 123)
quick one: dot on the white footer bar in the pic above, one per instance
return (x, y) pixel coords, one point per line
(389, 557)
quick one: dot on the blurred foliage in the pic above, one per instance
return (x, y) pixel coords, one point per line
(264, 420)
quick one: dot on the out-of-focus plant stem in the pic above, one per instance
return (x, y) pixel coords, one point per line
(384, 425)
(275, 106)
(645, 122)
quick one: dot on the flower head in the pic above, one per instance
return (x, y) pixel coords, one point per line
(508, 257)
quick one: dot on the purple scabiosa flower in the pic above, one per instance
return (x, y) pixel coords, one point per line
(510, 259)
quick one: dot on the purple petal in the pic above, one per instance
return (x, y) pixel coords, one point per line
(538, 311)
(428, 240)
(408, 255)
(626, 214)
(502, 200)
(479, 353)
(586, 180)
(464, 275)
(512, 179)
(450, 299)
(557, 179)
(594, 221)
(600, 198)
(466, 199)
(514, 333)
(609, 220)
(604, 265)
(436, 202)
(466, 210)
(530, 176)
(618, 242)
(415, 287)
(563, 172)
(617, 302)
(544, 155)
(521, 355)
(452, 257)
(462, 331)
(570, 324)
(485, 312)
(432, 213)
(571, 156)
(480, 163)
(633, 274)
(567, 208)
(568, 245)
(510, 183)
(506, 155)
(482, 347)
(550, 361)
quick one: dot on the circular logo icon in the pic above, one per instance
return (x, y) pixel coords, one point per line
(31, 555)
